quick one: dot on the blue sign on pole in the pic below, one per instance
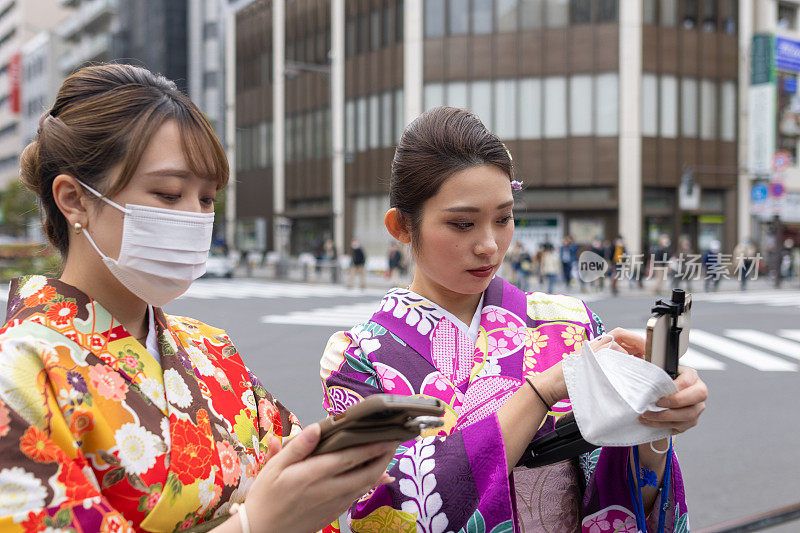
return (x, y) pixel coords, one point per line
(758, 193)
(790, 85)
(787, 54)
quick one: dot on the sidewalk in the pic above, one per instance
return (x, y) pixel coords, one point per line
(627, 289)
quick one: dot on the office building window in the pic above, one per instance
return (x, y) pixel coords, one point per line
(530, 14)
(606, 105)
(606, 11)
(556, 13)
(482, 16)
(708, 110)
(350, 126)
(457, 94)
(399, 17)
(649, 11)
(649, 108)
(387, 35)
(530, 108)
(399, 114)
(505, 109)
(434, 18)
(668, 107)
(728, 111)
(350, 38)
(363, 33)
(480, 101)
(505, 16)
(457, 17)
(728, 14)
(264, 141)
(689, 19)
(689, 107)
(386, 119)
(580, 105)
(375, 29)
(374, 121)
(555, 107)
(787, 15)
(433, 95)
(362, 118)
(580, 11)
(709, 15)
(309, 140)
(668, 14)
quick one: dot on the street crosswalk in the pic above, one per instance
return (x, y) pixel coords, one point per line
(758, 350)
(211, 289)
(774, 298)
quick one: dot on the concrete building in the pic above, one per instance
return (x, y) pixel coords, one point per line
(19, 22)
(607, 107)
(88, 33)
(41, 78)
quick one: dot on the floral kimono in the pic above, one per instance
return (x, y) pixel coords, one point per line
(454, 478)
(98, 435)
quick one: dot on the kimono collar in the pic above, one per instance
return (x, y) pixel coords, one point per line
(65, 309)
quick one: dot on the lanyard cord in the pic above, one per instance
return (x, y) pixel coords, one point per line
(636, 492)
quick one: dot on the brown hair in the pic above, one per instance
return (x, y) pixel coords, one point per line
(103, 116)
(436, 145)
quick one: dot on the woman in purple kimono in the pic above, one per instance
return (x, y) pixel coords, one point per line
(492, 354)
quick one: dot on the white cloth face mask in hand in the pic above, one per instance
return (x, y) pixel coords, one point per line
(162, 251)
(609, 390)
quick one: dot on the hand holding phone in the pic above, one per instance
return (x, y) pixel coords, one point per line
(379, 417)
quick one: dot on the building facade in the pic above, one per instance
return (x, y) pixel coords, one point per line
(88, 33)
(605, 106)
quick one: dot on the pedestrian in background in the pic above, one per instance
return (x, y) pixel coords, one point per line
(683, 264)
(395, 261)
(113, 414)
(618, 257)
(659, 262)
(550, 265)
(712, 267)
(569, 257)
(357, 261)
(743, 256)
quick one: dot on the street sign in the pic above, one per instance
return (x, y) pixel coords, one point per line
(758, 193)
(781, 161)
(777, 189)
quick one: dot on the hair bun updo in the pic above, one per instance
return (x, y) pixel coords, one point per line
(30, 168)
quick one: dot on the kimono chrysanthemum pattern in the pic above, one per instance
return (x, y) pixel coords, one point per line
(97, 434)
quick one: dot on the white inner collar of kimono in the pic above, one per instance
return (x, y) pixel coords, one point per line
(150, 343)
(470, 331)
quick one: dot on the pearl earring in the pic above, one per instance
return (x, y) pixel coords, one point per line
(77, 226)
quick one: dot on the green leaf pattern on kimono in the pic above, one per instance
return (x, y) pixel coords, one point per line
(588, 462)
(477, 524)
(681, 521)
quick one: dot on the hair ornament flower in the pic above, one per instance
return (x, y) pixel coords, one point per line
(516, 185)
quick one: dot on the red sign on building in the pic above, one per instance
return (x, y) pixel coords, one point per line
(15, 81)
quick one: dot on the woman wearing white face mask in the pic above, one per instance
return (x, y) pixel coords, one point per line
(112, 413)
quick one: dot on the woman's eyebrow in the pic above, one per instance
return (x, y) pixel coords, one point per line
(472, 209)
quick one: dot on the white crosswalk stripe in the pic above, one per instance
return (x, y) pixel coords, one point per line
(240, 288)
(740, 352)
(790, 334)
(773, 298)
(693, 358)
(343, 316)
(765, 340)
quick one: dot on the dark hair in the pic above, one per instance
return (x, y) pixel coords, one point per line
(103, 116)
(436, 145)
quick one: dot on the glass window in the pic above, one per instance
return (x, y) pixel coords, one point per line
(649, 105)
(457, 94)
(457, 17)
(728, 111)
(482, 16)
(668, 15)
(709, 15)
(556, 13)
(580, 11)
(433, 95)
(606, 11)
(350, 38)
(363, 33)
(308, 135)
(399, 114)
(400, 16)
(689, 107)
(668, 115)
(387, 32)
(649, 11)
(480, 101)
(327, 127)
(263, 141)
(530, 108)
(708, 110)
(434, 18)
(386, 119)
(728, 10)
(580, 105)
(689, 19)
(363, 124)
(374, 121)
(555, 107)
(375, 29)
(505, 108)
(350, 126)
(505, 17)
(606, 104)
(530, 14)
(787, 15)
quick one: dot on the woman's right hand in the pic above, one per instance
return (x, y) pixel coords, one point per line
(294, 492)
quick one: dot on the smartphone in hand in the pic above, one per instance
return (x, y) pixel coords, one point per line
(377, 418)
(668, 332)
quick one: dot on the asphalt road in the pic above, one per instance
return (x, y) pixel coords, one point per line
(742, 459)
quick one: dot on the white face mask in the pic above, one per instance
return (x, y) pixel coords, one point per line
(162, 251)
(609, 390)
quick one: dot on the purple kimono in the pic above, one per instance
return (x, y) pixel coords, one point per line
(455, 477)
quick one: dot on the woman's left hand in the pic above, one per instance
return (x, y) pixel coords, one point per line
(683, 407)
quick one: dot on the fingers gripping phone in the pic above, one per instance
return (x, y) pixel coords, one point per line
(668, 331)
(379, 417)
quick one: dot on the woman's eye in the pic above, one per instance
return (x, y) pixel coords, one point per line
(169, 197)
(207, 201)
(461, 225)
(505, 220)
